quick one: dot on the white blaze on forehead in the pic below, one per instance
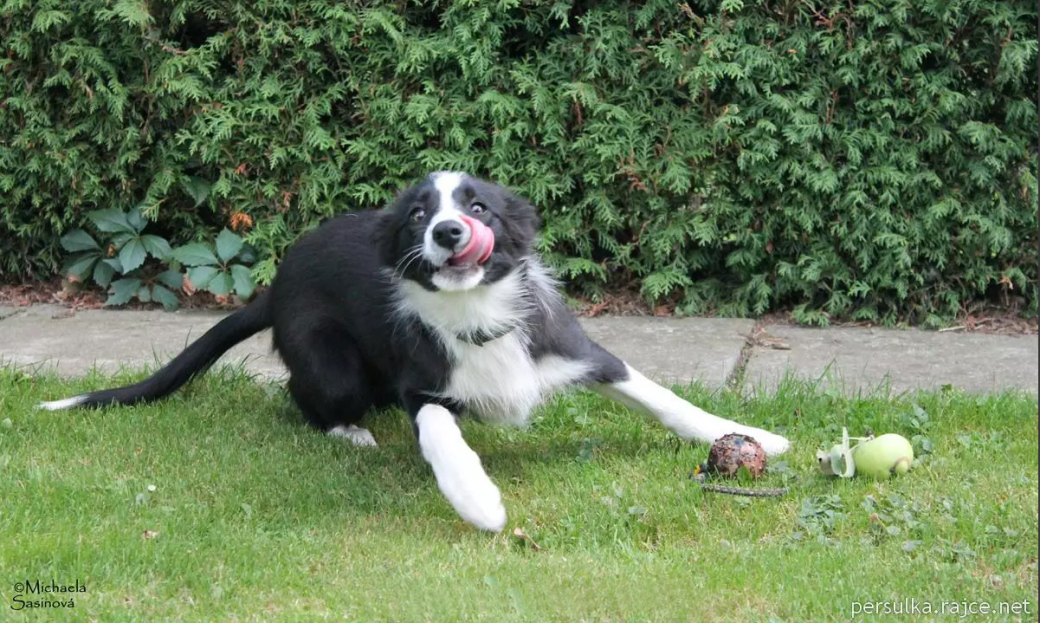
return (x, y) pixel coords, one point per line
(446, 183)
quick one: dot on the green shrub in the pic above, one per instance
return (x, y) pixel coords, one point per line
(124, 251)
(219, 268)
(874, 158)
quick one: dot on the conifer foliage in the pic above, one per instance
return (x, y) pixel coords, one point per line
(874, 158)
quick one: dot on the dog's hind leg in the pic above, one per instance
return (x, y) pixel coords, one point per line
(354, 434)
(620, 382)
(329, 384)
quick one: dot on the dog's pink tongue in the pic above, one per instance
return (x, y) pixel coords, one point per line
(481, 243)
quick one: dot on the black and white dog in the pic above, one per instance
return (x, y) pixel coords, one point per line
(437, 304)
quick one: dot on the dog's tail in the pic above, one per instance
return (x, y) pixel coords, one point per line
(194, 360)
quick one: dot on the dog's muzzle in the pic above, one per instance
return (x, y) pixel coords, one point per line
(451, 235)
(461, 242)
(477, 249)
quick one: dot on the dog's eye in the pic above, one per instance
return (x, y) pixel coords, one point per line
(477, 208)
(417, 214)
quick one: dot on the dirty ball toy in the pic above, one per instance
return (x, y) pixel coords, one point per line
(731, 452)
(728, 454)
(874, 457)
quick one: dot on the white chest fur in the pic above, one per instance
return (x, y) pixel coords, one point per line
(498, 380)
(502, 383)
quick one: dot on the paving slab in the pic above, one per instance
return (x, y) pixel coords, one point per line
(674, 350)
(50, 338)
(857, 360)
(667, 349)
(7, 311)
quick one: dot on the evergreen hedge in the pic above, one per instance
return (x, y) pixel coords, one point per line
(875, 158)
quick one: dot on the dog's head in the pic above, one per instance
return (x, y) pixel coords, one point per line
(455, 232)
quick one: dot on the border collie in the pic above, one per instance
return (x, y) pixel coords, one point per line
(437, 304)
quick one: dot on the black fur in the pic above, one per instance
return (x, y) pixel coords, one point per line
(332, 304)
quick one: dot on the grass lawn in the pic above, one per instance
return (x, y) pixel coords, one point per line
(254, 516)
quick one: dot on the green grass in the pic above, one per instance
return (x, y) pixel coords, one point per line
(258, 517)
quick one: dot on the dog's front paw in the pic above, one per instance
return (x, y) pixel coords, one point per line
(476, 499)
(460, 476)
(772, 443)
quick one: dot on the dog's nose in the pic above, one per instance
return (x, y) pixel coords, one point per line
(448, 234)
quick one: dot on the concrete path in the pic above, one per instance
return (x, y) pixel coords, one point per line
(857, 360)
(713, 351)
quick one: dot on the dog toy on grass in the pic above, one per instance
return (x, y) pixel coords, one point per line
(731, 452)
(728, 456)
(875, 457)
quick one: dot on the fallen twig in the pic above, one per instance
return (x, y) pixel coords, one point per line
(517, 532)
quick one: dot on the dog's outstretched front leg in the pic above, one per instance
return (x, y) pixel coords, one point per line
(457, 468)
(687, 421)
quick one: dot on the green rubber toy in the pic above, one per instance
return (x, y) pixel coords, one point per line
(838, 461)
(874, 457)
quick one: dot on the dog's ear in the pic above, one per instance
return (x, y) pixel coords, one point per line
(521, 218)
